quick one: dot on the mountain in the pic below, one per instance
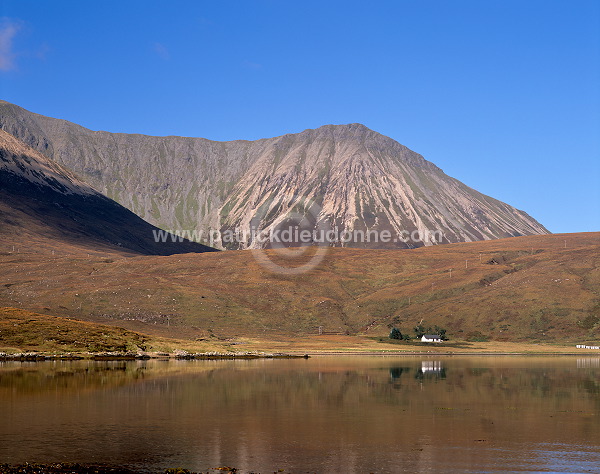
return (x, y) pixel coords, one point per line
(40, 199)
(344, 177)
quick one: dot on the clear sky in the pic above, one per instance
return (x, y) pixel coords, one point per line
(502, 95)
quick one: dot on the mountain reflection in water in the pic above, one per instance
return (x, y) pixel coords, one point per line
(325, 414)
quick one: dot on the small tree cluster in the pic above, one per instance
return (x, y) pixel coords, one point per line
(420, 330)
(395, 333)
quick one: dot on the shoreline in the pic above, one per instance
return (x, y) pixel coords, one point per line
(97, 468)
(75, 356)
(446, 354)
(115, 356)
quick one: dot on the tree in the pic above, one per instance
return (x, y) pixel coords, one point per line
(441, 332)
(420, 330)
(395, 334)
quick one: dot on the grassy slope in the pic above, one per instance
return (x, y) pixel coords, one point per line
(27, 331)
(519, 289)
(24, 330)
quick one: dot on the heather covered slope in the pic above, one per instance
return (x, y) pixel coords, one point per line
(23, 331)
(346, 176)
(519, 289)
(40, 199)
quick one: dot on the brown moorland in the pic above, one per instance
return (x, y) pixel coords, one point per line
(25, 331)
(533, 289)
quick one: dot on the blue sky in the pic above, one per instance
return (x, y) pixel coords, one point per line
(502, 95)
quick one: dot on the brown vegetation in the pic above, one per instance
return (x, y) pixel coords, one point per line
(519, 289)
(23, 331)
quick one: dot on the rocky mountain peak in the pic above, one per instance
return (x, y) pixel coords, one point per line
(355, 178)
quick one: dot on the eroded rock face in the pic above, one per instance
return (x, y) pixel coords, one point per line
(40, 198)
(345, 176)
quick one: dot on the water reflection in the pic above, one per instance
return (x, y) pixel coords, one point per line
(588, 363)
(396, 372)
(431, 369)
(320, 415)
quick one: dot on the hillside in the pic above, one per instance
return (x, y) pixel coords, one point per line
(24, 331)
(40, 200)
(337, 176)
(537, 288)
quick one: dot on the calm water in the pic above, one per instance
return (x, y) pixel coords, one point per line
(338, 415)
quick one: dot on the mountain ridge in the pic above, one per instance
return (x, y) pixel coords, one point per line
(40, 199)
(345, 176)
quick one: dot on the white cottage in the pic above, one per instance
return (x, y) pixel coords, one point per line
(431, 338)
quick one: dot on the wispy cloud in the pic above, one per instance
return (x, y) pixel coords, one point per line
(8, 29)
(251, 65)
(162, 51)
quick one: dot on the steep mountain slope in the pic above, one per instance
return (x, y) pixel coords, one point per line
(337, 176)
(41, 199)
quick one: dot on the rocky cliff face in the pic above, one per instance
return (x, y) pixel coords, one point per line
(39, 198)
(343, 177)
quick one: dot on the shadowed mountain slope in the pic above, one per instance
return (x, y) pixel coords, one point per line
(40, 199)
(344, 176)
